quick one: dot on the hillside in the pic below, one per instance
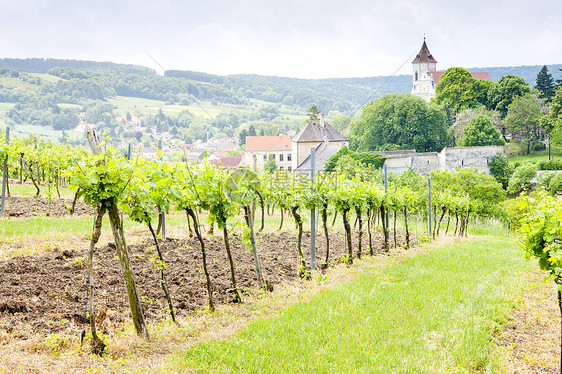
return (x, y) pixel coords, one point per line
(345, 95)
(58, 94)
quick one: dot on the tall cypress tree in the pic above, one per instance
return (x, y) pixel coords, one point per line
(545, 84)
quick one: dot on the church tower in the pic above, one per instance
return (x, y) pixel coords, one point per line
(424, 66)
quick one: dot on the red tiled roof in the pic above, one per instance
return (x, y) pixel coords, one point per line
(231, 162)
(477, 75)
(268, 143)
(481, 75)
(222, 154)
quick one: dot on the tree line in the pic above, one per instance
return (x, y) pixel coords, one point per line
(465, 112)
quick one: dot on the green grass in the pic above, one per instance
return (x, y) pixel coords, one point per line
(203, 108)
(47, 77)
(23, 131)
(14, 230)
(41, 228)
(27, 189)
(536, 157)
(435, 313)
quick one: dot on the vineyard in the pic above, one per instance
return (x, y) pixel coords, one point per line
(211, 236)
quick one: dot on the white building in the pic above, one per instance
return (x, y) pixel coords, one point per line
(425, 75)
(260, 147)
(424, 65)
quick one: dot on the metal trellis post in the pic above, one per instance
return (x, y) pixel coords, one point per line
(312, 215)
(429, 204)
(5, 175)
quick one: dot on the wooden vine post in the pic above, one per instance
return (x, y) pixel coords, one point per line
(122, 251)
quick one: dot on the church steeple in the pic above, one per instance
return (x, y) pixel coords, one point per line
(424, 66)
(424, 56)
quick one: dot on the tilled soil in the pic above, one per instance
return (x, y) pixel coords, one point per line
(47, 294)
(25, 206)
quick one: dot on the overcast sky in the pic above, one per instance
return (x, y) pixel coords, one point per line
(291, 38)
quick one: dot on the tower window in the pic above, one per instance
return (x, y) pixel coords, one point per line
(416, 76)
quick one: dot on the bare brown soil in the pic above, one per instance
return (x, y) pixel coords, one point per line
(47, 294)
(25, 206)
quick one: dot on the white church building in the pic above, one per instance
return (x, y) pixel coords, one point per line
(425, 75)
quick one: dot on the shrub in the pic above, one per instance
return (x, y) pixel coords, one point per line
(369, 160)
(550, 165)
(555, 184)
(538, 146)
(516, 209)
(521, 178)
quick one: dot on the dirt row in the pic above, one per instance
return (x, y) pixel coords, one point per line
(25, 206)
(47, 294)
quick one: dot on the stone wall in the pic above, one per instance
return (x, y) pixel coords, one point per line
(447, 159)
(468, 157)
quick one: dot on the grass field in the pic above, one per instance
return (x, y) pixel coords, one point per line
(435, 313)
(136, 105)
(46, 132)
(4, 107)
(47, 77)
(537, 156)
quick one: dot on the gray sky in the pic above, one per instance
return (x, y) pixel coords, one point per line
(292, 38)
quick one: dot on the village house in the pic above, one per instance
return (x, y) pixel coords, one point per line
(258, 149)
(229, 162)
(325, 140)
(134, 121)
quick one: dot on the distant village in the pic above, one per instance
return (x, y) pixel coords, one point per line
(292, 151)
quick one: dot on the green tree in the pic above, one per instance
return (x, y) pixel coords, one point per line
(463, 118)
(481, 88)
(399, 122)
(523, 118)
(481, 131)
(501, 169)
(553, 122)
(480, 187)
(341, 123)
(313, 112)
(456, 90)
(555, 184)
(242, 136)
(252, 131)
(545, 84)
(270, 165)
(502, 93)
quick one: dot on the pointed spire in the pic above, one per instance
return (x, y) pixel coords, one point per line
(424, 55)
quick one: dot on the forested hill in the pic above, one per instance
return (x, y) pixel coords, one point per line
(43, 65)
(529, 73)
(343, 95)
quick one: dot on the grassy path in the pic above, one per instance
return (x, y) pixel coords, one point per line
(435, 313)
